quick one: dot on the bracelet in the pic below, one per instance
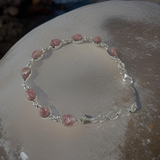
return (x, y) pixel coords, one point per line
(67, 119)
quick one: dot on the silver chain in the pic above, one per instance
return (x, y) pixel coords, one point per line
(128, 81)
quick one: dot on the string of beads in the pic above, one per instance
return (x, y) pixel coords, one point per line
(67, 119)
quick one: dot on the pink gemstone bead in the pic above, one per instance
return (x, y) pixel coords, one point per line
(44, 112)
(55, 42)
(112, 51)
(77, 37)
(68, 120)
(36, 54)
(30, 94)
(97, 40)
(25, 73)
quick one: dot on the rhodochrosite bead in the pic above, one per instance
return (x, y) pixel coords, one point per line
(44, 112)
(97, 40)
(25, 73)
(113, 52)
(68, 120)
(30, 94)
(36, 54)
(77, 37)
(55, 42)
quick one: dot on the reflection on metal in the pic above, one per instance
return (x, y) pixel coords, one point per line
(136, 97)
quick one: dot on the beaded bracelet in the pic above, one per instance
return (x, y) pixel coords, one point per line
(67, 119)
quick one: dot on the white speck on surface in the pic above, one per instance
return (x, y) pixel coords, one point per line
(143, 143)
(148, 54)
(23, 156)
(141, 124)
(148, 140)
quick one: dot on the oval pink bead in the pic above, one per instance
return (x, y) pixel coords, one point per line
(77, 37)
(25, 72)
(97, 40)
(30, 94)
(112, 51)
(44, 112)
(36, 54)
(68, 120)
(55, 42)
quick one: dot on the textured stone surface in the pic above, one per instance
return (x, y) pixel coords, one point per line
(25, 73)
(77, 37)
(68, 120)
(30, 94)
(36, 54)
(80, 82)
(44, 112)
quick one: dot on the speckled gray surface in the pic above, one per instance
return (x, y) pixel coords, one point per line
(82, 80)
